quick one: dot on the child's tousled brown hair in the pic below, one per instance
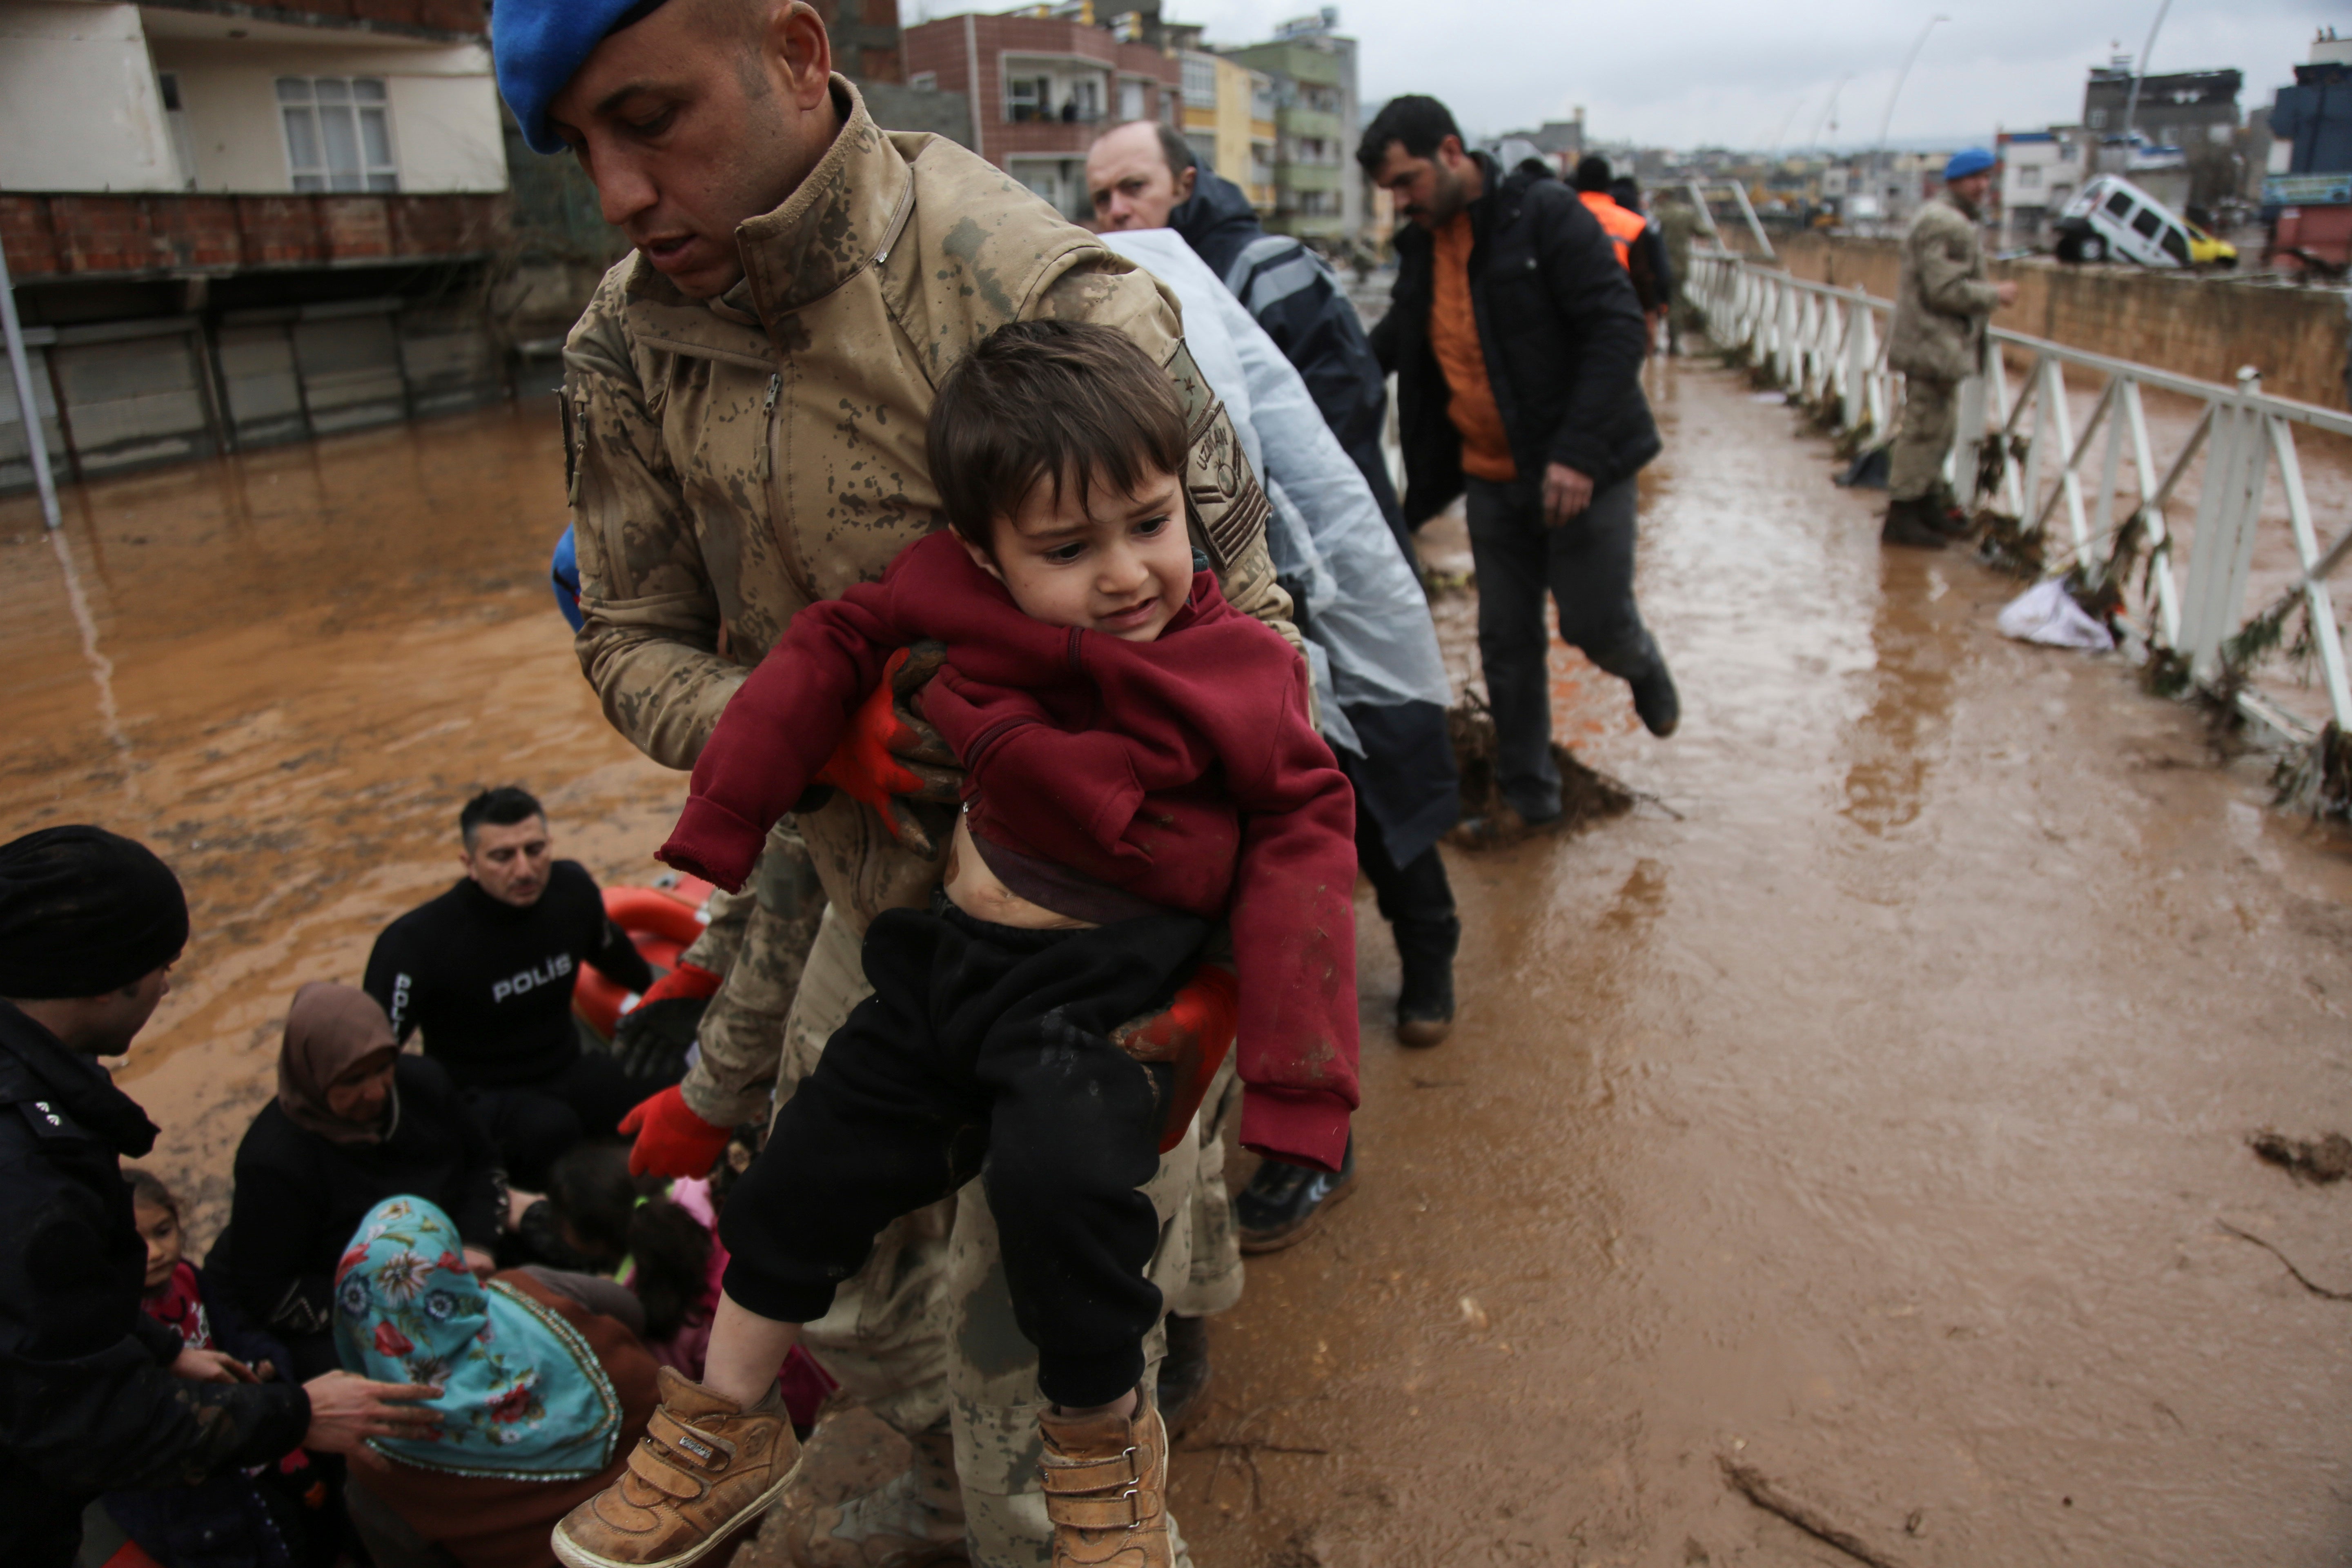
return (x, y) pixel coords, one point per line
(1049, 401)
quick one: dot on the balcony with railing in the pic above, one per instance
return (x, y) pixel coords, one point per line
(158, 234)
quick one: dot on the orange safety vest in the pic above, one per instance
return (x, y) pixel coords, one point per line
(1623, 227)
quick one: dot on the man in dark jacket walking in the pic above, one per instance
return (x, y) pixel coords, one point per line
(1144, 175)
(1517, 344)
(95, 1395)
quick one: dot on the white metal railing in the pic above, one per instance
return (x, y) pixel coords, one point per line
(2018, 450)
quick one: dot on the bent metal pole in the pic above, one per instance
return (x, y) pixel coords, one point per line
(28, 407)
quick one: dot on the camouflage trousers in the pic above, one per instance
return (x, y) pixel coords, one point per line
(924, 1332)
(1923, 438)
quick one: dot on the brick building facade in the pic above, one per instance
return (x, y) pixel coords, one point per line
(1041, 88)
(229, 225)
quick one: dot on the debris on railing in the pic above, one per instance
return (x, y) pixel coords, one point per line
(2020, 467)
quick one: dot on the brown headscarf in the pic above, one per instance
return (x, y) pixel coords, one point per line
(328, 1028)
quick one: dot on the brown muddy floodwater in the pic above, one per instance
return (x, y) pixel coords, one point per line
(287, 671)
(1864, 1110)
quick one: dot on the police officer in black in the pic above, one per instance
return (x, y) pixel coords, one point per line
(96, 1395)
(486, 970)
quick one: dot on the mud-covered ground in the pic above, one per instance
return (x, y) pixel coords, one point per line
(1865, 1109)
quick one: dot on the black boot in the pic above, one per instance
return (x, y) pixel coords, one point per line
(1283, 1202)
(1657, 701)
(1184, 1375)
(1426, 951)
(1912, 525)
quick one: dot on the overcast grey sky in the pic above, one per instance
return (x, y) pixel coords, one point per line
(1743, 74)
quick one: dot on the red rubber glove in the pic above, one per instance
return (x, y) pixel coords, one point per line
(892, 758)
(1193, 1035)
(671, 1140)
(689, 982)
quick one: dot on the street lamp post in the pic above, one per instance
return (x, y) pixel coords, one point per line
(2139, 75)
(1887, 121)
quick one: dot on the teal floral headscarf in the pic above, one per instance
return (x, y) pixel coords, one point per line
(523, 1396)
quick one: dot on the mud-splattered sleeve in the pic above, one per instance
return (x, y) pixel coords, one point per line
(649, 635)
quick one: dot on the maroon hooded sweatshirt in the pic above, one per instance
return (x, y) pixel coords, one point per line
(1183, 772)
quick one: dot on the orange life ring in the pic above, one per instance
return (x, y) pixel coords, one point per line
(661, 924)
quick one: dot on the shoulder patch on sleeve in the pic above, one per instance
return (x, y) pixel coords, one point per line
(1223, 499)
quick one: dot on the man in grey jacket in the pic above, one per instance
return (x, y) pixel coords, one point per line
(1940, 307)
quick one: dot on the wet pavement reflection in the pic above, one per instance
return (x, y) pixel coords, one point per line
(1858, 1108)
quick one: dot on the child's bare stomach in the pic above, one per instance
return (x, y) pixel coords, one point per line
(973, 888)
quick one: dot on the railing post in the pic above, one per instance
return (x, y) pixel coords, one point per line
(1857, 370)
(1967, 439)
(2031, 501)
(2061, 426)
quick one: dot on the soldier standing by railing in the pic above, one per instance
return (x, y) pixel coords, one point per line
(1940, 307)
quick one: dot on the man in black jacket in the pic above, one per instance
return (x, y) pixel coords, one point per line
(487, 970)
(95, 1395)
(1144, 175)
(1517, 344)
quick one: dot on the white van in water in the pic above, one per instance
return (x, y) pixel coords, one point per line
(2111, 219)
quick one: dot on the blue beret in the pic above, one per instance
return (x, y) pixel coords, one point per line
(1968, 161)
(540, 46)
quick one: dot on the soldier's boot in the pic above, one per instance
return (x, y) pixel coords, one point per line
(1106, 1488)
(1184, 1374)
(1911, 524)
(913, 1519)
(705, 1468)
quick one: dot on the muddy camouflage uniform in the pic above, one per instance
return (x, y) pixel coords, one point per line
(1678, 226)
(1938, 342)
(733, 460)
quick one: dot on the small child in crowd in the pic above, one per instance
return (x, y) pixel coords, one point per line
(272, 1517)
(1140, 765)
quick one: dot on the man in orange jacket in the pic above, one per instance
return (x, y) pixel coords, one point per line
(1636, 241)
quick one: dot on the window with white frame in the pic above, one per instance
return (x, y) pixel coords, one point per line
(338, 133)
(1130, 100)
(1028, 97)
(1199, 82)
(2028, 177)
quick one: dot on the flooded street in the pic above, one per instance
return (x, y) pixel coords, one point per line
(289, 671)
(1863, 1109)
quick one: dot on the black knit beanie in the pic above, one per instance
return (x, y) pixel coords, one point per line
(84, 912)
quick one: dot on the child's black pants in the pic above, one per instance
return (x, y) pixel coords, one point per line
(984, 1050)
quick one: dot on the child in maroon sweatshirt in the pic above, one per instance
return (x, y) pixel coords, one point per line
(1140, 765)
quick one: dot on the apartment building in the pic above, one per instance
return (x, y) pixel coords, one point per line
(1044, 83)
(1318, 192)
(1229, 117)
(2040, 173)
(229, 225)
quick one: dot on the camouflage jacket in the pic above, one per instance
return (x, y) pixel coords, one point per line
(1942, 301)
(736, 459)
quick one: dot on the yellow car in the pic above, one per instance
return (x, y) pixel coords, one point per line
(2206, 250)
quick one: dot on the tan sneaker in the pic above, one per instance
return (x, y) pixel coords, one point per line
(706, 1468)
(911, 1520)
(1106, 1489)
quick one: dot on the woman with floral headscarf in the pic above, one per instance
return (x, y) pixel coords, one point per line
(542, 1397)
(354, 1122)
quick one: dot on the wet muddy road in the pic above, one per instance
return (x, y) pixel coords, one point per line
(1863, 1109)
